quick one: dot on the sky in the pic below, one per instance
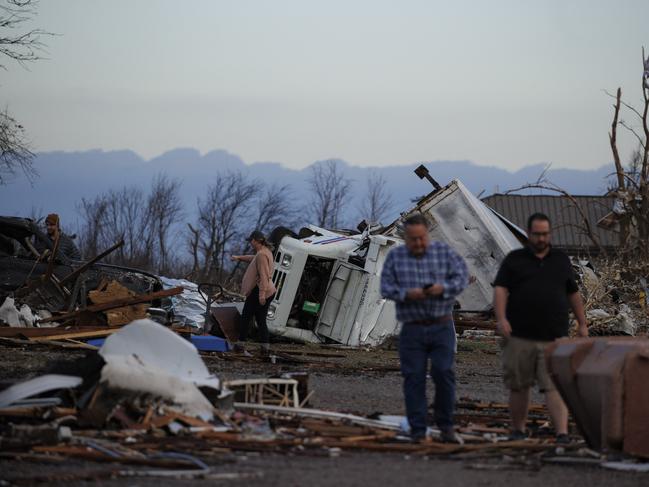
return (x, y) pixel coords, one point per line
(502, 82)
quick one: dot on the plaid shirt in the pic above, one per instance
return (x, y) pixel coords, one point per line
(439, 264)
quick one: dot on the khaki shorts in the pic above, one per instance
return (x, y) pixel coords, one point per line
(524, 364)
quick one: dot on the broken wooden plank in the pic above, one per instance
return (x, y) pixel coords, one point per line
(36, 412)
(317, 413)
(77, 334)
(314, 354)
(14, 332)
(45, 342)
(119, 303)
(161, 421)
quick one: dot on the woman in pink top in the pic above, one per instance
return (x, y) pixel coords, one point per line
(257, 286)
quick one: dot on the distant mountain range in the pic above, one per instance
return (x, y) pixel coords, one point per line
(66, 177)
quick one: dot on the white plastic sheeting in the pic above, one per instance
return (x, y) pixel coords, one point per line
(37, 385)
(19, 318)
(189, 307)
(147, 357)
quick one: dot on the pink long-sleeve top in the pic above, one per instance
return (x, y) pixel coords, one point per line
(259, 273)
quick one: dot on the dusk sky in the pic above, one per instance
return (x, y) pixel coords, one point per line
(505, 83)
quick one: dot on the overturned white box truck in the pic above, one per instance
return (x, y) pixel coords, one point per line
(328, 283)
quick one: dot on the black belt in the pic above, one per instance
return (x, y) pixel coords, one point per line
(433, 321)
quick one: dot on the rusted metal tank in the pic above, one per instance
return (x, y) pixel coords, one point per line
(604, 383)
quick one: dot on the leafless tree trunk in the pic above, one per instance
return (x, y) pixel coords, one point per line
(222, 216)
(644, 174)
(194, 242)
(331, 191)
(377, 201)
(164, 212)
(633, 187)
(93, 215)
(612, 136)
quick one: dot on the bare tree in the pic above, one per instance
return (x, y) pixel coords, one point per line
(20, 46)
(222, 216)
(331, 191)
(93, 216)
(164, 210)
(15, 155)
(126, 217)
(632, 189)
(146, 223)
(377, 201)
(274, 207)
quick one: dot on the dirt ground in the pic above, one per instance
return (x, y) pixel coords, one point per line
(344, 380)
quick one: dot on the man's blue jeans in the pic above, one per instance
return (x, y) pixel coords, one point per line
(418, 344)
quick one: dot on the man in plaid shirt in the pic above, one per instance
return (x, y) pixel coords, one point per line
(424, 278)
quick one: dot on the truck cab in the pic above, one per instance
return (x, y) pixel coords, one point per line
(328, 289)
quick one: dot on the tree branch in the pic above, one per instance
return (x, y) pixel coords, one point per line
(552, 187)
(613, 140)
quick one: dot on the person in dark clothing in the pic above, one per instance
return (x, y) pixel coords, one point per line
(67, 250)
(257, 286)
(534, 291)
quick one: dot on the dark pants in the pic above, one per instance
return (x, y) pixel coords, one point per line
(253, 308)
(418, 344)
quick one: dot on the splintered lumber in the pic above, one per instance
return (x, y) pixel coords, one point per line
(118, 303)
(77, 334)
(14, 332)
(50, 263)
(46, 342)
(317, 413)
(36, 412)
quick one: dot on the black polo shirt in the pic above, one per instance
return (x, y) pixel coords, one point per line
(538, 306)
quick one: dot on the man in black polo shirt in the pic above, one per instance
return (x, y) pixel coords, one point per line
(534, 291)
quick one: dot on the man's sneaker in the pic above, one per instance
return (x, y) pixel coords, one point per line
(562, 439)
(517, 435)
(450, 436)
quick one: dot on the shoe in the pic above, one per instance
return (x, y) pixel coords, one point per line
(264, 350)
(417, 437)
(450, 436)
(517, 435)
(562, 439)
(239, 349)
